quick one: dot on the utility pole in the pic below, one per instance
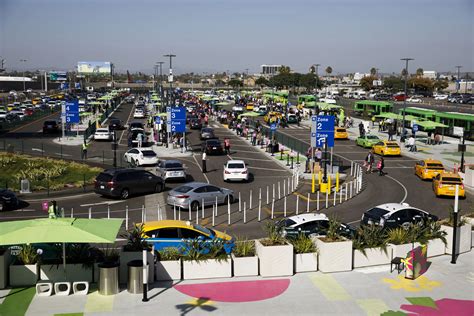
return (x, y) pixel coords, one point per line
(317, 81)
(160, 64)
(458, 86)
(24, 87)
(405, 96)
(112, 66)
(170, 100)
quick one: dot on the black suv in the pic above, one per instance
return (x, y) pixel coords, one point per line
(115, 124)
(212, 146)
(8, 200)
(50, 127)
(123, 183)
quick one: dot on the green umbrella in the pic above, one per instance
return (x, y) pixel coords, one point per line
(59, 230)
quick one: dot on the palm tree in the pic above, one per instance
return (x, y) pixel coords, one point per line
(373, 71)
(328, 70)
(419, 72)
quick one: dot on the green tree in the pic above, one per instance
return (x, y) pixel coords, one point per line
(367, 82)
(440, 85)
(262, 81)
(373, 71)
(235, 83)
(284, 70)
(308, 81)
(329, 70)
(419, 72)
(393, 84)
(421, 84)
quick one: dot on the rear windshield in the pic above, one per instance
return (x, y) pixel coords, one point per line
(288, 222)
(371, 137)
(435, 166)
(377, 212)
(451, 179)
(236, 166)
(213, 143)
(173, 165)
(149, 153)
(341, 130)
(393, 145)
(183, 189)
(104, 177)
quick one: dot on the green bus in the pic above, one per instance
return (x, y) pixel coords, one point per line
(370, 107)
(425, 114)
(464, 120)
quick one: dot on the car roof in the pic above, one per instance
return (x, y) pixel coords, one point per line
(429, 160)
(450, 174)
(236, 161)
(172, 161)
(195, 184)
(167, 223)
(303, 218)
(394, 207)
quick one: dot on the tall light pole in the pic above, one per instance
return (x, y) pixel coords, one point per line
(405, 96)
(160, 64)
(317, 80)
(23, 61)
(170, 80)
(458, 86)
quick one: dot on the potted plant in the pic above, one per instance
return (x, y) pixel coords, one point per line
(107, 257)
(80, 259)
(305, 253)
(275, 254)
(335, 251)
(24, 270)
(245, 262)
(370, 247)
(434, 238)
(133, 250)
(168, 264)
(204, 259)
(5, 260)
(403, 240)
(464, 236)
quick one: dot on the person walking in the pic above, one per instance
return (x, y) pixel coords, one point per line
(391, 132)
(140, 139)
(380, 166)
(84, 150)
(318, 156)
(53, 210)
(361, 129)
(227, 146)
(369, 161)
(204, 162)
(254, 138)
(428, 138)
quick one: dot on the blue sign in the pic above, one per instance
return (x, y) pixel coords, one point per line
(77, 85)
(64, 86)
(157, 120)
(176, 119)
(414, 128)
(178, 113)
(322, 130)
(72, 112)
(273, 127)
(178, 126)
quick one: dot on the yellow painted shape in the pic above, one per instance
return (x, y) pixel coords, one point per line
(99, 303)
(330, 288)
(422, 283)
(304, 197)
(372, 306)
(200, 302)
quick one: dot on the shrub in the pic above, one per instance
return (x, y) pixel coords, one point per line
(274, 233)
(302, 244)
(244, 248)
(169, 254)
(450, 220)
(398, 236)
(135, 241)
(432, 230)
(28, 255)
(369, 236)
(199, 249)
(333, 232)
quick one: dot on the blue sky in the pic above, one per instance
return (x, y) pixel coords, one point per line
(221, 35)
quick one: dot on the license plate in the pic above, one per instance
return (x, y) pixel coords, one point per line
(236, 172)
(102, 187)
(450, 188)
(175, 173)
(214, 147)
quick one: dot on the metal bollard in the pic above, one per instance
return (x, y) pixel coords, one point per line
(250, 202)
(335, 194)
(174, 211)
(240, 204)
(216, 205)
(291, 162)
(90, 212)
(307, 203)
(228, 212)
(273, 191)
(259, 210)
(72, 212)
(273, 207)
(108, 211)
(284, 187)
(279, 191)
(189, 210)
(245, 212)
(350, 187)
(213, 216)
(268, 200)
(346, 193)
(297, 203)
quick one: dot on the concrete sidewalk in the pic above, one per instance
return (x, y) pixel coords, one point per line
(445, 289)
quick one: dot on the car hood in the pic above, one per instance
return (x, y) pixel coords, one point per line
(222, 235)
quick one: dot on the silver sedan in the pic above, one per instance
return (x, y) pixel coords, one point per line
(195, 193)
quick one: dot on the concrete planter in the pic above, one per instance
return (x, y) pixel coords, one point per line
(469, 220)
(23, 275)
(275, 260)
(306, 262)
(127, 256)
(168, 270)
(436, 247)
(207, 269)
(5, 260)
(334, 256)
(372, 257)
(245, 266)
(403, 249)
(74, 272)
(464, 238)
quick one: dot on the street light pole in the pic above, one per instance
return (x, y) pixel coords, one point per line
(160, 64)
(317, 81)
(458, 86)
(405, 96)
(24, 87)
(170, 80)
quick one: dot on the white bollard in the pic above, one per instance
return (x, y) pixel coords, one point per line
(260, 193)
(158, 212)
(240, 204)
(72, 212)
(202, 209)
(340, 195)
(259, 209)
(143, 213)
(189, 212)
(345, 192)
(352, 165)
(216, 205)
(250, 202)
(327, 198)
(307, 203)
(350, 188)
(126, 217)
(284, 206)
(90, 212)
(273, 191)
(213, 217)
(197, 216)
(174, 211)
(284, 187)
(297, 204)
(288, 186)
(268, 200)
(245, 212)
(228, 212)
(317, 201)
(335, 193)
(279, 191)
(108, 211)
(273, 207)
(179, 214)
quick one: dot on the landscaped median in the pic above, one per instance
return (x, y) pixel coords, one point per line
(44, 173)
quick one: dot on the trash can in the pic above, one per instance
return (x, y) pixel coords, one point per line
(108, 278)
(135, 277)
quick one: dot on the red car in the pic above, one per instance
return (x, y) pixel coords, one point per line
(399, 97)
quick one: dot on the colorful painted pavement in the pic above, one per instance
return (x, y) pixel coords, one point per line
(445, 289)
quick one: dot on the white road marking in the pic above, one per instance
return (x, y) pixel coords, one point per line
(272, 169)
(102, 203)
(246, 158)
(25, 210)
(353, 222)
(199, 166)
(37, 149)
(61, 154)
(62, 198)
(133, 107)
(401, 184)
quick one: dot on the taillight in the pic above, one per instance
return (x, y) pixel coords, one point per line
(244, 172)
(181, 196)
(440, 185)
(110, 184)
(462, 186)
(226, 172)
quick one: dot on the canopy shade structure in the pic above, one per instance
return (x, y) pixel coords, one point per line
(105, 97)
(389, 115)
(60, 230)
(222, 104)
(95, 103)
(249, 114)
(327, 106)
(430, 125)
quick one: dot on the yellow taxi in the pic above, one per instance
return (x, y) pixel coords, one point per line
(387, 148)
(444, 184)
(36, 101)
(272, 117)
(340, 133)
(249, 107)
(174, 233)
(428, 168)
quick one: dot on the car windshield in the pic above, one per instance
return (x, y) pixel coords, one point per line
(149, 153)
(183, 189)
(214, 143)
(288, 222)
(235, 166)
(202, 229)
(207, 130)
(377, 212)
(435, 166)
(371, 137)
(392, 145)
(452, 180)
(173, 165)
(102, 130)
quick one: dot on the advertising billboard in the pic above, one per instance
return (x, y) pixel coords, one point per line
(94, 67)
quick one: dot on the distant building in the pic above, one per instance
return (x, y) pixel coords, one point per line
(270, 70)
(430, 74)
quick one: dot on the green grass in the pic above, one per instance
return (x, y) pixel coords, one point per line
(40, 171)
(17, 302)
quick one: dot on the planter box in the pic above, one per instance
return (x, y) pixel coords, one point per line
(334, 256)
(372, 257)
(469, 220)
(436, 247)
(245, 266)
(127, 256)
(306, 262)
(74, 272)
(23, 275)
(207, 269)
(5, 260)
(275, 260)
(464, 238)
(168, 270)
(403, 249)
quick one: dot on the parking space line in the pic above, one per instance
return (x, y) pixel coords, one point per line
(271, 169)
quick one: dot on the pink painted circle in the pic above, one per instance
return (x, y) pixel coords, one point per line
(240, 291)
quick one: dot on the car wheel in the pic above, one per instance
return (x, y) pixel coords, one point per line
(405, 225)
(195, 206)
(136, 163)
(2, 206)
(124, 194)
(229, 198)
(159, 188)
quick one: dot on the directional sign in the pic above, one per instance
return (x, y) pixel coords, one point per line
(178, 126)
(273, 127)
(176, 120)
(414, 128)
(322, 130)
(157, 120)
(71, 112)
(178, 113)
